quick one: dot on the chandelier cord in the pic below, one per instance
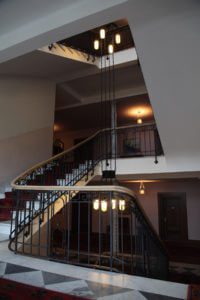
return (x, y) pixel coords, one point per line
(101, 107)
(115, 113)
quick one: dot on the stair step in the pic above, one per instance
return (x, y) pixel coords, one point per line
(36, 204)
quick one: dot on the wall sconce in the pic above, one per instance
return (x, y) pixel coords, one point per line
(142, 188)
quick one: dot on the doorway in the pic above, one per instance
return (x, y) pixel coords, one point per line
(172, 216)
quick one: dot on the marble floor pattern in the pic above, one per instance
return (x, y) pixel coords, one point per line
(93, 284)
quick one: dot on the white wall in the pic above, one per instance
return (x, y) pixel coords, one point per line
(167, 43)
(26, 124)
(149, 202)
(168, 46)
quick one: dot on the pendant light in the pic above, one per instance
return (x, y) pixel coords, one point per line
(117, 38)
(104, 205)
(102, 33)
(114, 203)
(96, 204)
(122, 205)
(96, 44)
(142, 188)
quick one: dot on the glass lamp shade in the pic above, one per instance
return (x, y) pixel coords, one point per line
(96, 44)
(110, 49)
(104, 205)
(139, 121)
(96, 204)
(117, 38)
(102, 33)
(142, 191)
(114, 203)
(122, 205)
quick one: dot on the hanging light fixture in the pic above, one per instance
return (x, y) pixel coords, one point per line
(114, 203)
(142, 188)
(104, 205)
(96, 44)
(122, 205)
(96, 204)
(105, 42)
(102, 33)
(118, 38)
(139, 119)
(110, 48)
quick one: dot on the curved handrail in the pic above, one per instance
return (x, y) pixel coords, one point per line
(101, 188)
(39, 165)
(98, 188)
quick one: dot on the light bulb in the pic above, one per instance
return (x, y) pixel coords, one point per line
(102, 33)
(96, 204)
(110, 49)
(121, 204)
(104, 205)
(117, 38)
(114, 203)
(139, 121)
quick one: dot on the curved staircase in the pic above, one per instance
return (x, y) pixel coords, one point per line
(58, 216)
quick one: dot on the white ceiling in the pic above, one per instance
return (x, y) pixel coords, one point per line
(21, 12)
(40, 64)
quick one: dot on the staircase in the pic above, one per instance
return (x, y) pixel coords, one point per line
(57, 215)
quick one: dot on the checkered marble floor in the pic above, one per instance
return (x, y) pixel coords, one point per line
(93, 284)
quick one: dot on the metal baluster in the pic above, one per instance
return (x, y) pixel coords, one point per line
(89, 229)
(111, 230)
(68, 225)
(79, 228)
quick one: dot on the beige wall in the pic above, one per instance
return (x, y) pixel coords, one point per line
(26, 124)
(149, 202)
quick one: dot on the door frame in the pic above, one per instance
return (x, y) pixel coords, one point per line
(160, 209)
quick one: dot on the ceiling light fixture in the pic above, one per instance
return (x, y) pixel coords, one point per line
(142, 188)
(139, 119)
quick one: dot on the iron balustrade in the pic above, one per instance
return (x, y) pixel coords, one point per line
(55, 219)
(70, 166)
(66, 226)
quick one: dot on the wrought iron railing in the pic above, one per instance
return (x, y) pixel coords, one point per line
(96, 226)
(56, 218)
(70, 166)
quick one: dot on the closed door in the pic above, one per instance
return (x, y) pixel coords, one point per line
(173, 216)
